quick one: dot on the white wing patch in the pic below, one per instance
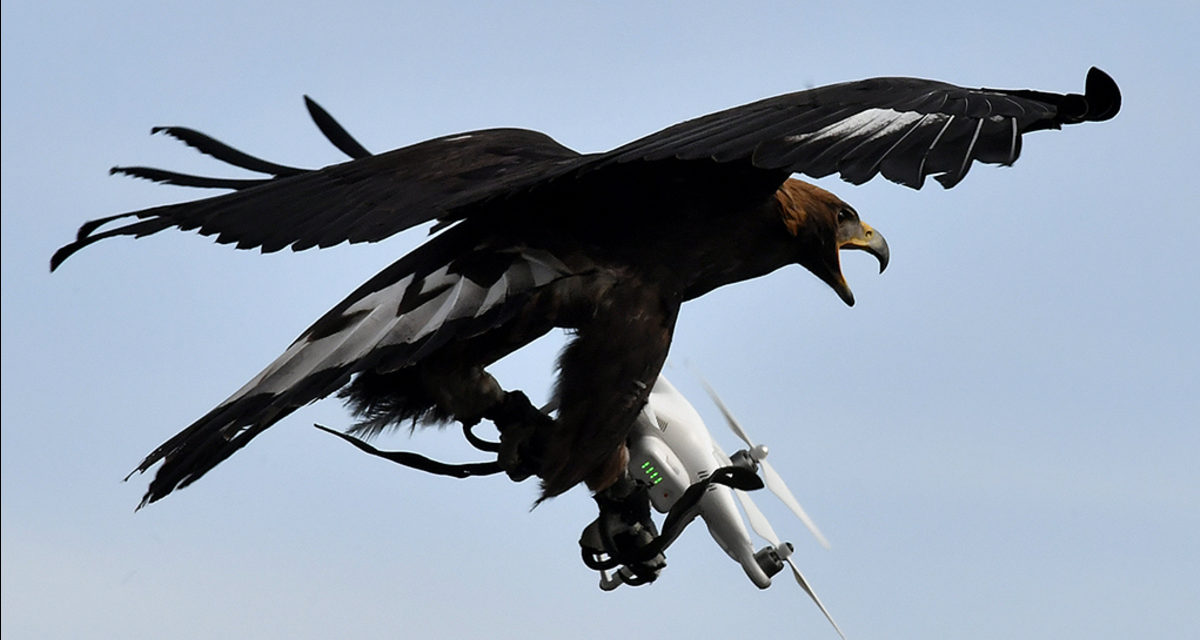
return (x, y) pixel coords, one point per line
(304, 356)
(452, 303)
(540, 266)
(376, 321)
(440, 278)
(495, 295)
(392, 293)
(899, 141)
(864, 126)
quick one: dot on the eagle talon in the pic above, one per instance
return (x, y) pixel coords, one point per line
(623, 536)
(524, 430)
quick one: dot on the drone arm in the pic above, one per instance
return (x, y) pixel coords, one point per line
(690, 504)
(729, 531)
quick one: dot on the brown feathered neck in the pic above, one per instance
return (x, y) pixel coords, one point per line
(799, 200)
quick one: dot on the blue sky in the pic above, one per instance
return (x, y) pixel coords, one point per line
(999, 439)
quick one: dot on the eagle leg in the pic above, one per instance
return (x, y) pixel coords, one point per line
(622, 536)
(469, 394)
(524, 430)
(605, 376)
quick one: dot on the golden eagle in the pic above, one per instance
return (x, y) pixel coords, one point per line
(531, 236)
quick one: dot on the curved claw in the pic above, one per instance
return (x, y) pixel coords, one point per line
(523, 433)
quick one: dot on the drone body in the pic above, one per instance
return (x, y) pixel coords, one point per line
(672, 455)
(670, 448)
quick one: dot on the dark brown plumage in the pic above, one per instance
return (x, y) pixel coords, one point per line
(534, 236)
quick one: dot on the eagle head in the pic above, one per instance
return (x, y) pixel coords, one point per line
(823, 225)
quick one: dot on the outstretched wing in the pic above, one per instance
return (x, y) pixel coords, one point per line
(364, 200)
(903, 128)
(442, 292)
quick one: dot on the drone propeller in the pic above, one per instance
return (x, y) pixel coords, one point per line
(763, 528)
(759, 523)
(807, 589)
(773, 480)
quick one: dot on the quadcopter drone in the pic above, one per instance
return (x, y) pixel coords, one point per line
(677, 468)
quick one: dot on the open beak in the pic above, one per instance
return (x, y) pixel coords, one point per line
(872, 242)
(869, 240)
(843, 290)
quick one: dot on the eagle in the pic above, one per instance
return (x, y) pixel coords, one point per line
(529, 236)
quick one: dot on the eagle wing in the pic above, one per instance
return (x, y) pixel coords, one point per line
(447, 290)
(367, 199)
(903, 128)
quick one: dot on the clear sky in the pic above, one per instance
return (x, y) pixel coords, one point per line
(1000, 439)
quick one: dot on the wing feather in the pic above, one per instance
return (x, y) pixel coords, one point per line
(393, 321)
(333, 131)
(903, 128)
(212, 147)
(907, 127)
(855, 168)
(363, 200)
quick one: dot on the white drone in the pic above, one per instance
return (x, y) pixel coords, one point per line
(671, 450)
(677, 467)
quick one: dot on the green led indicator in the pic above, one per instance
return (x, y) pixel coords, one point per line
(651, 472)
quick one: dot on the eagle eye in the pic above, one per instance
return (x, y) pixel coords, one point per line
(845, 215)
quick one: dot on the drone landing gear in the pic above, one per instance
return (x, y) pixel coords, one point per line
(623, 540)
(623, 537)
